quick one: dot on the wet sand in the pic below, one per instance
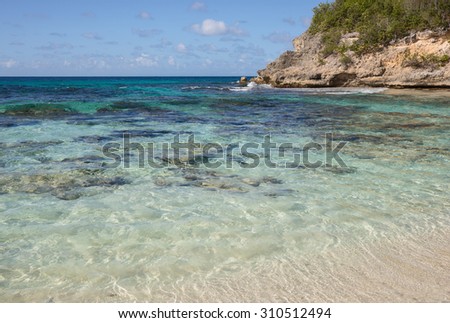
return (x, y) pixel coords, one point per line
(389, 270)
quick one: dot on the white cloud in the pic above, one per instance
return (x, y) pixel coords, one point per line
(8, 64)
(231, 38)
(57, 34)
(235, 30)
(163, 43)
(171, 61)
(144, 15)
(92, 36)
(211, 48)
(97, 62)
(211, 27)
(289, 21)
(55, 47)
(101, 64)
(181, 48)
(198, 6)
(146, 33)
(145, 61)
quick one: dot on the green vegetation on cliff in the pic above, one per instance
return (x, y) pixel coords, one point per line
(377, 21)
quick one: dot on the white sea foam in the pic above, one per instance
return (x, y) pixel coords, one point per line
(198, 87)
(338, 90)
(250, 86)
(332, 91)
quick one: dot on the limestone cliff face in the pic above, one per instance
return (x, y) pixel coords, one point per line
(420, 60)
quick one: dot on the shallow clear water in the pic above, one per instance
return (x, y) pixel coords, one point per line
(73, 228)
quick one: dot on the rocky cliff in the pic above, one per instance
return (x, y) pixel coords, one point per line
(419, 60)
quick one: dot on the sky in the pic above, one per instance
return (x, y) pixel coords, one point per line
(147, 37)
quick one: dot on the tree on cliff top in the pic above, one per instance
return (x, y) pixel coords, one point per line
(377, 21)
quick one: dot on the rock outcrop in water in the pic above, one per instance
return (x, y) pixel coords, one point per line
(419, 60)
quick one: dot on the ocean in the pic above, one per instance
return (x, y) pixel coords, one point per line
(197, 189)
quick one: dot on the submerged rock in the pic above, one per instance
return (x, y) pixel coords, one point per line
(282, 192)
(161, 181)
(364, 156)
(94, 139)
(90, 159)
(31, 144)
(135, 106)
(120, 105)
(142, 133)
(251, 182)
(69, 195)
(185, 161)
(192, 177)
(340, 170)
(39, 110)
(221, 185)
(67, 186)
(271, 180)
(11, 121)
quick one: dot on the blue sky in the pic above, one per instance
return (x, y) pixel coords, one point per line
(146, 37)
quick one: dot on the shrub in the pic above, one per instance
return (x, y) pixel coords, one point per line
(377, 21)
(330, 42)
(430, 61)
(345, 60)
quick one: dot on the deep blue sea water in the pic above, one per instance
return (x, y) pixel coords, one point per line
(84, 218)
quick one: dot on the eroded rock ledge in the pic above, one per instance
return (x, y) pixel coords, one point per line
(421, 60)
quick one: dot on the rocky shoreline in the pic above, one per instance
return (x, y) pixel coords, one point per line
(421, 60)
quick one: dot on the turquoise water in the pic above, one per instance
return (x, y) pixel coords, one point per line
(75, 228)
